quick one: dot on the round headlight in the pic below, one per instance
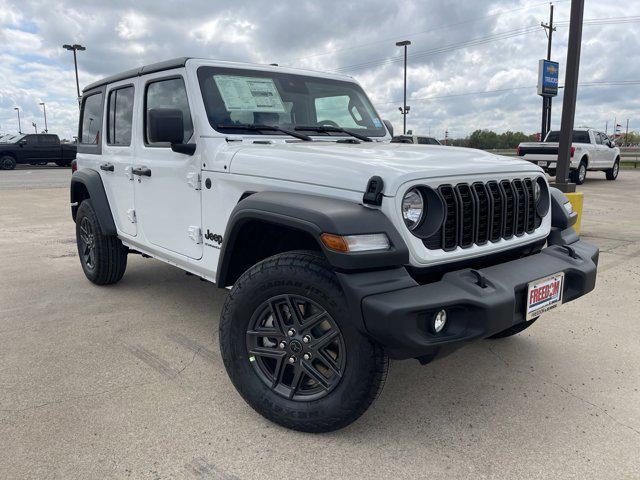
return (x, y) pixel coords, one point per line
(412, 208)
(536, 192)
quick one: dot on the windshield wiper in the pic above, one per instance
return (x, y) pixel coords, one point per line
(329, 129)
(267, 128)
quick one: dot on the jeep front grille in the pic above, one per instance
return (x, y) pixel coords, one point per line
(480, 212)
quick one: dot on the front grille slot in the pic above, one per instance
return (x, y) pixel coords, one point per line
(480, 212)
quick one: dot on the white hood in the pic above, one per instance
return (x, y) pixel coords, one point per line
(350, 166)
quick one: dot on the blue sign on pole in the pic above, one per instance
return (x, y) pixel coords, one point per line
(548, 78)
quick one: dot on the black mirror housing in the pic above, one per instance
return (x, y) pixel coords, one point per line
(166, 125)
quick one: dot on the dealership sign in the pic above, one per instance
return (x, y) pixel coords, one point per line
(547, 78)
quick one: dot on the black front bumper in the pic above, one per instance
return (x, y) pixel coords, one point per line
(396, 311)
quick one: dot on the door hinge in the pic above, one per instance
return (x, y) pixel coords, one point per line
(131, 215)
(194, 179)
(195, 234)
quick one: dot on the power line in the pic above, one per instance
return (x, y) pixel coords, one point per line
(606, 83)
(482, 41)
(432, 29)
(445, 48)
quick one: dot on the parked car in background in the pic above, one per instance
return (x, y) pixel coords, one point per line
(35, 149)
(419, 139)
(590, 150)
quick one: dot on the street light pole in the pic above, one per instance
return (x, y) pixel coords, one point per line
(35, 127)
(75, 48)
(19, 127)
(44, 108)
(404, 110)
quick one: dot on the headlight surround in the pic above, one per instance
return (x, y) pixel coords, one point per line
(541, 196)
(413, 208)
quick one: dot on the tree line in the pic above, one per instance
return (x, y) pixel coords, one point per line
(487, 140)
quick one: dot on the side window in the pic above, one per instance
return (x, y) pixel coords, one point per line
(120, 116)
(91, 120)
(171, 94)
(423, 141)
(32, 140)
(598, 136)
(48, 140)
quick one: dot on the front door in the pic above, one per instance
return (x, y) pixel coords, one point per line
(118, 152)
(167, 190)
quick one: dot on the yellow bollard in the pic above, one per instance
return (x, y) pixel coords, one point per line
(576, 200)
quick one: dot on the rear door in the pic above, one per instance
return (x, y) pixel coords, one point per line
(167, 190)
(49, 146)
(118, 153)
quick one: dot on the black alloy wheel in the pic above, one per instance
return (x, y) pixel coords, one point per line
(87, 243)
(296, 348)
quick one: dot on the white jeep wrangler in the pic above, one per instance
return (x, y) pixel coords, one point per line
(340, 249)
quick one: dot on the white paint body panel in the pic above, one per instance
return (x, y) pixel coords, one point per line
(167, 206)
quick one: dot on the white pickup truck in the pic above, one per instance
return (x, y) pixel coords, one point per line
(590, 150)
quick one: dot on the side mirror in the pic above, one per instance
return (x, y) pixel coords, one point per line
(22, 142)
(387, 124)
(611, 144)
(166, 125)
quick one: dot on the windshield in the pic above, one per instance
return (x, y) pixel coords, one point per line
(12, 138)
(251, 97)
(579, 136)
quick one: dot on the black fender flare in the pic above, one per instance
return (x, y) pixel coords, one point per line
(315, 215)
(92, 183)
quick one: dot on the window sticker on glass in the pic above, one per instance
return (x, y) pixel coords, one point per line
(252, 94)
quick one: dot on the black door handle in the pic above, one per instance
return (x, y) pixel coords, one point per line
(107, 167)
(142, 171)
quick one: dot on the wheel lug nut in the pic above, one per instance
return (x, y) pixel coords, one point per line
(291, 332)
(292, 359)
(307, 356)
(283, 345)
(306, 339)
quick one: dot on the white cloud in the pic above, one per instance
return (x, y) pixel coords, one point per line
(132, 26)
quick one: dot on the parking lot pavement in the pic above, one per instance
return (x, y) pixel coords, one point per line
(127, 382)
(27, 176)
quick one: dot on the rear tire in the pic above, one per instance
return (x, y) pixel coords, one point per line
(7, 162)
(612, 173)
(267, 330)
(103, 257)
(579, 175)
(514, 330)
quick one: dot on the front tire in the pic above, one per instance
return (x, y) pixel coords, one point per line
(612, 173)
(103, 257)
(290, 347)
(7, 162)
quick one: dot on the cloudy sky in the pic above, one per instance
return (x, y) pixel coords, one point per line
(471, 64)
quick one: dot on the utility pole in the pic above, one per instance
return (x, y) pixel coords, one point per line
(35, 127)
(606, 127)
(404, 110)
(19, 127)
(546, 101)
(626, 135)
(44, 107)
(570, 94)
(75, 48)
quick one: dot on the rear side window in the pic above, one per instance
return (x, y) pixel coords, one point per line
(91, 120)
(120, 116)
(48, 140)
(171, 94)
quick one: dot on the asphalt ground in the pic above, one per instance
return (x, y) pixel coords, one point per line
(127, 382)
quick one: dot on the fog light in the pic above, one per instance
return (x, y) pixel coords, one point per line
(439, 321)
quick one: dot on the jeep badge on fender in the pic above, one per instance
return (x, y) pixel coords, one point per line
(341, 249)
